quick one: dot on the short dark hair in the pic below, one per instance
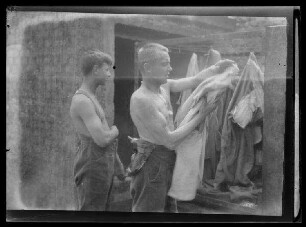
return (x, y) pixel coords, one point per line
(94, 57)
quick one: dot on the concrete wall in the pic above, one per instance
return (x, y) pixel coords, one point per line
(274, 119)
(237, 46)
(49, 54)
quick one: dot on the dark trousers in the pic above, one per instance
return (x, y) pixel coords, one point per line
(93, 194)
(93, 171)
(150, 186)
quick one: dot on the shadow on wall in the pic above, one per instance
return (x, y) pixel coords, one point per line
(46, 147)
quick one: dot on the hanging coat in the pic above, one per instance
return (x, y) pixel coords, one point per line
(239, 133)
(189, 166)
(212, 123)
(192, 70)
(213, 57)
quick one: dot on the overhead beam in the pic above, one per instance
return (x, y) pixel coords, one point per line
(159, 24)
(227, 43)
(212, 37)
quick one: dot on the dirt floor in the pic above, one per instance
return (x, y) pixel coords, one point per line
(183, 207)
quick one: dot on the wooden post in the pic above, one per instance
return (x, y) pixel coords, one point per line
(274, 119)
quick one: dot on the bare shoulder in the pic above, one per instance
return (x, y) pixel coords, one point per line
(139, 96)
(80, 103)
(141, 101)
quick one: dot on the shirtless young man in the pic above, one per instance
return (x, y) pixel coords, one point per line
(96, 160)
(151, 112)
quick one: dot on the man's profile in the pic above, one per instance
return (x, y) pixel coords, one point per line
(96, 160)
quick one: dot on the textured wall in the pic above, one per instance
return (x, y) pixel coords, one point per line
(237, 46)
(13, 127)
(274, 130)
(48, 78)
(239, 42)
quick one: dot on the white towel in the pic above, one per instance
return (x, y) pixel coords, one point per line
(188, 170)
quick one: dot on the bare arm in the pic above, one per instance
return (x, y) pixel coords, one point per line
(150, 117)
(101, 135)
(192, 82)
(189, 82)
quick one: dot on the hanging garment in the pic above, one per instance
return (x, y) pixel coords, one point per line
(243, 111)
(192, 70)
(201, 62)
(213, 57)
(213, 145)
(239, 133)
(211, 88)
(211, 126)
(189, 165)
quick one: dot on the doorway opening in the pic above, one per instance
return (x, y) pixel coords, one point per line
(124, 88)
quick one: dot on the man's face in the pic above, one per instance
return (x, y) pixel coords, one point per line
(103, 73)
(161, 68)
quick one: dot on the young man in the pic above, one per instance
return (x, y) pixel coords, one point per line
(96, 160)
(151, 112)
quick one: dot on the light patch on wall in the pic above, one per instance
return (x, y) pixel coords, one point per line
(13, 63)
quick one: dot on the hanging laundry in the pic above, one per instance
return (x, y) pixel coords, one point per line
(221, 113)
(243, 112)
(188, 170)
(213, 57)
(240, 130)
(192, 70)
(210, 88)
(210, 125)
(201, 62)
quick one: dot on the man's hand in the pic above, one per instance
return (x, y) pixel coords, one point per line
(221, 65)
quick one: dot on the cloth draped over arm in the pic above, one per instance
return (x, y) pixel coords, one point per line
(240, 129)
(189, 166)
